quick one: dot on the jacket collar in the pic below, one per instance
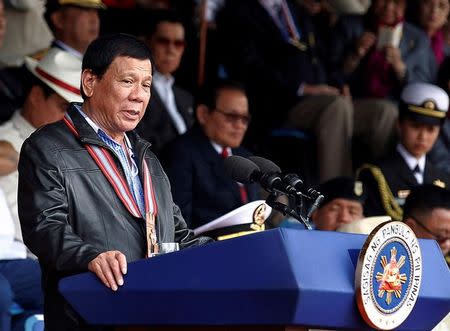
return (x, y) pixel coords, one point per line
(214, 160)
(89, 136)
(203, 140)
(403, 171)
(86, 132)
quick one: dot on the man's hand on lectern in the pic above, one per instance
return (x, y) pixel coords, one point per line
(110, 267)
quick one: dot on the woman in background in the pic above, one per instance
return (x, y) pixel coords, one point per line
(432, 17)
(378, 53)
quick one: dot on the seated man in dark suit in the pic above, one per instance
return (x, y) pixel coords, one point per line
(423, 109)
(194, 161)
(169, 112)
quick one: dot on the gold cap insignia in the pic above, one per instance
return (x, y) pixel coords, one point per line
(358, 188)
(259, 217)
(439, 183)
(98, 4)
(428, 108)
(429, 104)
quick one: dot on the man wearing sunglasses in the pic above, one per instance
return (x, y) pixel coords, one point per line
(427, 212)
(170, 111)
(194, 161)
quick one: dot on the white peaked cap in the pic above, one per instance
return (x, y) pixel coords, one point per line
(425, 100)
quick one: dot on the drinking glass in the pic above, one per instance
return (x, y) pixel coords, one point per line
(164, 248)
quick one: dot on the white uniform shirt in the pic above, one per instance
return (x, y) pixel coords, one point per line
(412, 162)
(14, 131)
(10, 249)
(164, 87)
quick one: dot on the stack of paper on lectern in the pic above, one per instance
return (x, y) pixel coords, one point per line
(247, 218)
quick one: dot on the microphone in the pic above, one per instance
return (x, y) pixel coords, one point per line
(313, 194)
(241, 169)
(317, 201)
(293, 181)
(246, 171)
(265, 165)
(267, 173)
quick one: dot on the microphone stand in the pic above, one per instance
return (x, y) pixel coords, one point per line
(314, 206)
(296, 199)
(286, 210)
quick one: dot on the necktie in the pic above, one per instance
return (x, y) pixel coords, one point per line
(242, 190)
(286, 21)
(224, 153)
(418, 174)
(281, 20)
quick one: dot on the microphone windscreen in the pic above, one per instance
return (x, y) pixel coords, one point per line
(240, 169)
(293, 180)
(265, 165)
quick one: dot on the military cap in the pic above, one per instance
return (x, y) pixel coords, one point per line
(424, 103)
(53, 5)
(342, 188)
(426, 197)
(246, 219)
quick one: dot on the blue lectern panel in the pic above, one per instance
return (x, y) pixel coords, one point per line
(276, 277)
(434, 298)
(324, 264)
(324, 269)
(240, 281)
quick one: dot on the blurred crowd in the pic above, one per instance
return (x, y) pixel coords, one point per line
(324, 77)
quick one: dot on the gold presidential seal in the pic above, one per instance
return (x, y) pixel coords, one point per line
(388, 275)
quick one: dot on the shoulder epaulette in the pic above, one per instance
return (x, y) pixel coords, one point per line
(391, 206)
(39, 54)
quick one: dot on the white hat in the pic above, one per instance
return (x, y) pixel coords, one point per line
(243, 220)
(61, 71)
(425, 102)
(363, 226)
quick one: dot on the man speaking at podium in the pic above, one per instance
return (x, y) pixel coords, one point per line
(92, 196)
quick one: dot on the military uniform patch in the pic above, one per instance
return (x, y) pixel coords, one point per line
(439, 183)
(358, 189)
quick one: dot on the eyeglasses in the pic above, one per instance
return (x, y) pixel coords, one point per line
(439, 238)
(234, 118)
(177, 43)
